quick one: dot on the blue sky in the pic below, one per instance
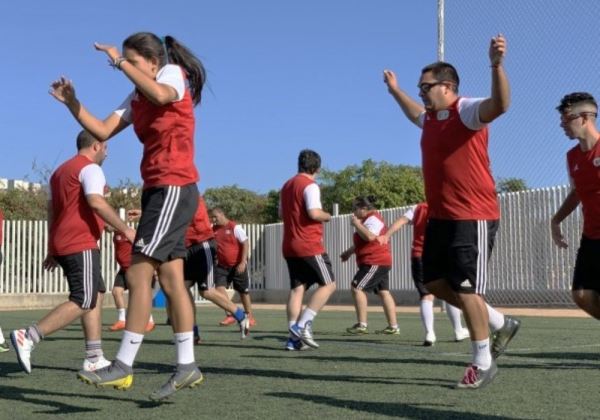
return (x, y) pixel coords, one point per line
(283, 76)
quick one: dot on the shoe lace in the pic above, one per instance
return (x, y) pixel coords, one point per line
(470, 376)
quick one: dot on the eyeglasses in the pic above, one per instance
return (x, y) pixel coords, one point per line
(571, 117)
(426, 87)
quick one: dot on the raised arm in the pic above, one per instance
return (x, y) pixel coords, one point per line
(411, 108)
(499, 101)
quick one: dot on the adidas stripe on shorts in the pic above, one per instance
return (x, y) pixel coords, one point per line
(310, 270)
(83, 276)
(372, 278)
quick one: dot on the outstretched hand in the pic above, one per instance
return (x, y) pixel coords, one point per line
(63, 90)
(389, 78)
(110, 50)
(497, 49)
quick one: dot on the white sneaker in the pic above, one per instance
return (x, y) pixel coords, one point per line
(93, 366)
(430, 339)
(23, 346)
(461, 335)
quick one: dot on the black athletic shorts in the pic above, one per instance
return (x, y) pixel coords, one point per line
(83, 276)
(166, 214)
(416, 266)
(199, 263)
(310, 270)
(458, 251)
(372, 278)
(120, 279)
(225, 276)
(587, 265)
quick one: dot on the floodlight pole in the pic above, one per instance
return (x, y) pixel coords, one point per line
(440, 49)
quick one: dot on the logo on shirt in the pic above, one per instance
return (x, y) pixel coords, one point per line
(596, 162)
(443, 115)
(228, 232)
(576, 167)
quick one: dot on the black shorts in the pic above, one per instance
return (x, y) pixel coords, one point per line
(310, 270)
(372, 278)
(166, 214)
(199, 263)
(83, 276)
(120, 279)
(225, 276)
(458, 251)
(586, 275)
(416, 266)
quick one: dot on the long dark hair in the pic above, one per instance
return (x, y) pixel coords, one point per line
(368, 202)
(169, 50)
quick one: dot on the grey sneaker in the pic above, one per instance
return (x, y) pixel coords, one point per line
(185, 376)
(502, 337)
(117, 375)
(476, 378)
(357, 329)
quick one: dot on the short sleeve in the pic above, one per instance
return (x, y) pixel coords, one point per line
(374, 225)
(92, 180)
(172, 75)
(124, 110)
(312, 197)
(240, 234)
(468, 109)
(410, 213)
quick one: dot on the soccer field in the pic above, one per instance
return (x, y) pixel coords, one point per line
(552, 370)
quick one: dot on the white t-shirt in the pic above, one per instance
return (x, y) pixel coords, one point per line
(92, 179)
(312, 197)
(171, 75)
(374, 225)
(240, 234)
(468, 109)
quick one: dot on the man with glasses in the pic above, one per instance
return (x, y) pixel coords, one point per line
(461, 194)
(578, 112)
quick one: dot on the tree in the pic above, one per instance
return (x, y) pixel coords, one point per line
(238, 204)
(271, 210)
(393, 185)
(511, 185)
(127, 195)
(17, 204)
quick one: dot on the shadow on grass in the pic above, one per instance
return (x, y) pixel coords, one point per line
(391, 409)
(559, 356)
(304, 355)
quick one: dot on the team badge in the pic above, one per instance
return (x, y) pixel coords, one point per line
(443, 115)
(596, 162)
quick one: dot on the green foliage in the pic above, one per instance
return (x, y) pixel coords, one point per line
(271, 210)
(239, 204)
(127, 195)
(393, 185)
(511, 185)
(17, 204)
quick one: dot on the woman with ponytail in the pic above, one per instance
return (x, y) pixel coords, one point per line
(168, 81)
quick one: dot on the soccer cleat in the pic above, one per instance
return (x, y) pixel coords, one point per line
(461, 335)
(245, 327)
(117, 326)
(4, 347)
(228, 320)
(149, 326)
(115, 375)
(389, 331)
(476, 378)
(295, 345)
(430, 339)
(197, 340)
(502, 337)
(304, 334)
(357, 329)
(23, 346)
(185, 376)
(93, 366)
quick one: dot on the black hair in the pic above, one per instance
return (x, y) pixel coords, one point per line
(309, 161)
(85, 139)
(169, 50)
(365, 202)
(444, 72)
(576, 98)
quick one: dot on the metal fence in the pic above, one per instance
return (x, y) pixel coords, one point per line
(525, 268)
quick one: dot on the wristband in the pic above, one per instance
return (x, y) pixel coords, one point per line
(117, 62)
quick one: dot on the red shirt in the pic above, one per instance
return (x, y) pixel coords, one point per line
(456, 168)
(75, 226)
(372, 252)
(302, 236)
(229, 249)
(584, 170)
(419, 223)
(167, 133)
(199, 229)
(122, 250)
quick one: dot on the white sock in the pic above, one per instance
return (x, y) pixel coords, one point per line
(184, 347)
(454, 317)
(427, 315)
(496, 318)
(130, 344)
(307, 316)
(482, 358)
(121, 313)
(1, 337)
